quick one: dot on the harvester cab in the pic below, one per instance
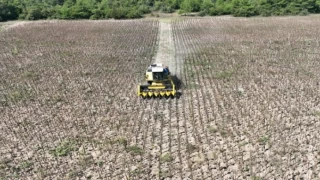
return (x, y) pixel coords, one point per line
(160, 83)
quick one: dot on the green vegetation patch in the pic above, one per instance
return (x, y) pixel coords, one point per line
(213, 130)
(256, 178)
(135, 150)
(19, 95)
(224, 74)
(122, 141)
(264, 140)
(26, 165)
(222, 131)
(31, 75)
(4, 163)
(317, 113)
(65, 148)
(191, 148)
(16, 92)
(75, 173)
(165, 174)
(16, 96)
(167, 158)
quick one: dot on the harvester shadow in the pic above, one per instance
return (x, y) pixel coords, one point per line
(179, 85)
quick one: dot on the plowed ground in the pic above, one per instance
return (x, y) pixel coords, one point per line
(249, 106)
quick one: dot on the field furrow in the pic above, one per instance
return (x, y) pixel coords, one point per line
(249, 105)
(255, 93)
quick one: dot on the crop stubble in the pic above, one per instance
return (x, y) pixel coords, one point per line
(249, 106)
(253, 84)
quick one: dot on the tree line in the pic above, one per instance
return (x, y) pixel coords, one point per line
(127, 9)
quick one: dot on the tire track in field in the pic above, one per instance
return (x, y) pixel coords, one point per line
(168, 109)
(165, 158)
(153, 127)
(164, 126)
(185, 130)
(166, 50)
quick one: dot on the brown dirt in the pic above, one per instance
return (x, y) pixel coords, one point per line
(249, 108)
(166, 51)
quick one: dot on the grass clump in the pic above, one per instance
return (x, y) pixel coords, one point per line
(75, 173)
(224, 75)
(19, 94)
(122, 141)
(317, 113)
(191, 148)
(165, 174)
(4, 163)
(27, 165)
(223, 133)
(135, 150)
(15, 50)
(31, 75)
(63, 149)
(264, 140)
(256, 178)
(213, 130)
(16, 96)
(167, 158)
(99, 163)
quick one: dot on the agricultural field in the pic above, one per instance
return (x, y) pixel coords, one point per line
(249, 105)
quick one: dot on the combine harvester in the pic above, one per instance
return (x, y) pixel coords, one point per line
(160, 83)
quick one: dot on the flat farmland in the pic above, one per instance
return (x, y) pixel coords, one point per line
(249, 105)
